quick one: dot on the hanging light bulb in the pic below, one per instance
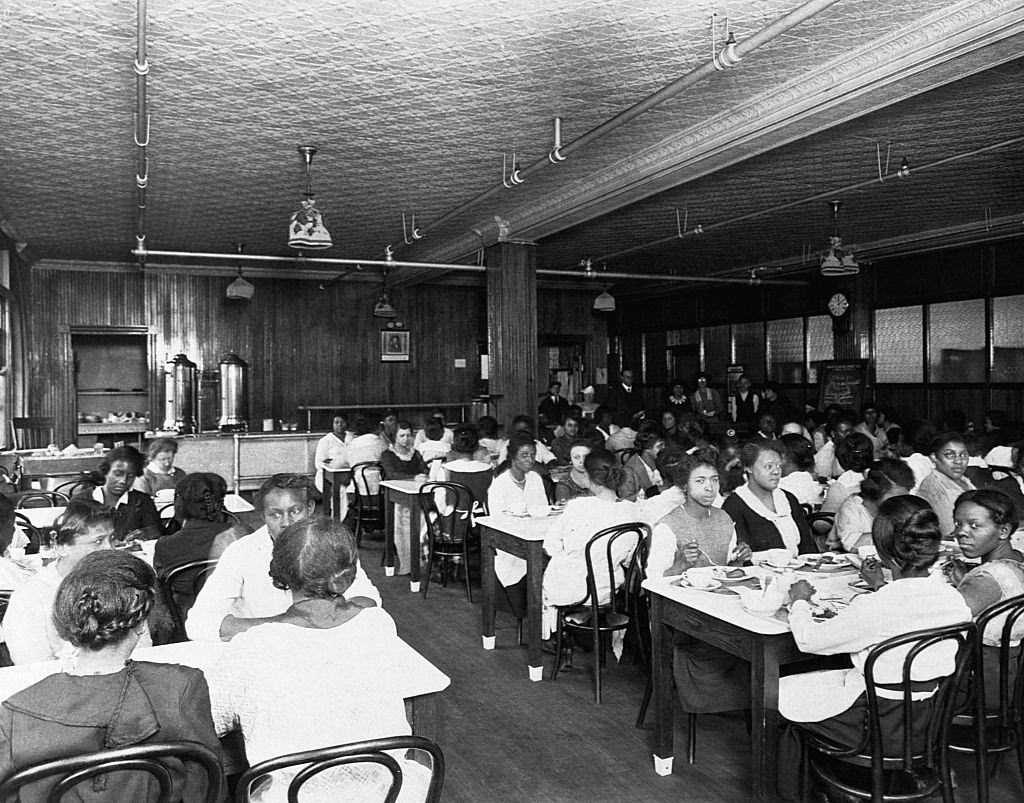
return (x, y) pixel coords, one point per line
(838, 261)
(383, 308)
(307, 229)
(240, 288)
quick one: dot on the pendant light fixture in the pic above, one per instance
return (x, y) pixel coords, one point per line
(838, 261)
(240, 288)
(383, 308)
(307, 229)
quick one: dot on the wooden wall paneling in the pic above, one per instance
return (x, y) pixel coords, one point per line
(571, 312)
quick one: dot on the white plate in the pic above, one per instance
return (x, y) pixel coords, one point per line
(681, 582)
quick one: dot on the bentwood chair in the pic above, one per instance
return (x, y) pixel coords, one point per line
(191, 574)
(327, 758)
(369, 497)
(600, 617)
(991, 720)
(152, 759)
(821, 525)
(36, 535)
(25, 499)
(83, 485)
(447, 509)
(32, 433)
(913, 762)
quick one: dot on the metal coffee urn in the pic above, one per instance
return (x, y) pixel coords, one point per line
(234, 394)
(181, 394)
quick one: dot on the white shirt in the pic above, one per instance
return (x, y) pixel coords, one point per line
(803, 486)
(28, 625)
(333, 447)
(655, 508)
(504, 495)
(544, 454)
(240, 585)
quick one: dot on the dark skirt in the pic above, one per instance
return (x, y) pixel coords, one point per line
(709, 680)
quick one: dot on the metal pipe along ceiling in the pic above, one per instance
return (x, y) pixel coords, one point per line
(141, 128)
(728, 58)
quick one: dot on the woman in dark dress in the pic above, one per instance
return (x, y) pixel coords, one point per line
(135, 515)
(765, 516)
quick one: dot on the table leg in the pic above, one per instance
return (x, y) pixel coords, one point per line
(534, 607)
(414, 545)
(664, 705)
(764, 737)
(487, 587)
(422, 714)
(389, 534)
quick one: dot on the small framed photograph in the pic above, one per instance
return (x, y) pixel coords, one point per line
(394, 346)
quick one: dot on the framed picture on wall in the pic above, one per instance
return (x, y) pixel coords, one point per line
(394, 346)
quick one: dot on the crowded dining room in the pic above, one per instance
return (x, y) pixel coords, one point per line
(445, 400)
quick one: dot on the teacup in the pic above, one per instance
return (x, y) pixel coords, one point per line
(698, 579)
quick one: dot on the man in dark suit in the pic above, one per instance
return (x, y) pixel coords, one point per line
(625, 402)
(553, 407)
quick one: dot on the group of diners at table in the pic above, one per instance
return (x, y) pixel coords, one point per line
(291, 600)
(286, 601)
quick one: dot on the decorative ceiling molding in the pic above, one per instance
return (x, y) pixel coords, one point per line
(918, 58)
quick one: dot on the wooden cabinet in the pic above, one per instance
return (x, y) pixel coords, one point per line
(111, 381)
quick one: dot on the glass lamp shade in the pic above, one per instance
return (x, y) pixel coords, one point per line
(307, 229)
(604, 302)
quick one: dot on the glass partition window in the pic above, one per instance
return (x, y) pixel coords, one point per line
(820, 344)
(1008, 339)
(956, 341)
(899, 347)
(748, 343)
(717, 354)
(786, 350)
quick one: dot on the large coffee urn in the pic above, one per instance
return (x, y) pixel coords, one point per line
(234, 394)
(181, 395)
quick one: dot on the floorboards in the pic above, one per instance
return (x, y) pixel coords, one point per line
(506, 738)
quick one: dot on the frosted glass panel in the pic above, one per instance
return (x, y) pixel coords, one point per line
(682, 337)
(820, 344)
(956, 341)
(899, 344)
(1008, 339)
(749, 345)
(716, 352)
(786, 350)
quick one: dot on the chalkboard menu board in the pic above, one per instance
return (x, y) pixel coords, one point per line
(842, 383)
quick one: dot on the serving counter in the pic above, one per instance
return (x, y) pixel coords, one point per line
(247, 460)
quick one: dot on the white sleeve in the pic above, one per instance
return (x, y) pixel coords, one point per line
(535, 493)
(553, 539)
(322, 448)
(217, 597)
(25, 627)
(663, 550)
(849, 631)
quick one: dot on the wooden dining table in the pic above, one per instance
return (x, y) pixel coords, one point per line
(766, 642)
(524, 538)
(405, 493)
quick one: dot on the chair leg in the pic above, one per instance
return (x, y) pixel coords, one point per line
(598, 660)
(465, 569)
(645, 702)
(691, 735)
(519, 633)
(425, 572)
(558, 645)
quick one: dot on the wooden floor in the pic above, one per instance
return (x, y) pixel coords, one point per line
(506, 738)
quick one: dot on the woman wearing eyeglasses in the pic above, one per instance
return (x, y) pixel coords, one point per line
(944, 485)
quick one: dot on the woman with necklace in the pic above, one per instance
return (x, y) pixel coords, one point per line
(765, 516)
(344, 650)
(575, 484)
(708, 680)
(102, 699)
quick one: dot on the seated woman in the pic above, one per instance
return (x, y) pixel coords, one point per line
(798, 469)
(671, 424)
(708, 679)
(983, 523)
(514, 490)
(466, 446)
(102, 699)
(831, 704)
(135, 515)
(489, 435)
(366, 445)
(575, 484)
(343, 649)
(885, 479)
(640, 478)
(86, 526)
(766, 517)
(854, 454)
(331, 452)
(160, 473)
(946, 482)
(914, 445)
(434, 445)
(205, 533)
(565, 578)
(12, 572)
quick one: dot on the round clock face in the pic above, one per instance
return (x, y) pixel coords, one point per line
(838, 305)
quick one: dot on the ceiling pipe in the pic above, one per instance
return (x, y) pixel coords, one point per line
(730, 55)
(395, 263)
(141, 132)
(820, 196)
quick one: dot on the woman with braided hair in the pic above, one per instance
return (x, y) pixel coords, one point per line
(205, 533)
(101, 699)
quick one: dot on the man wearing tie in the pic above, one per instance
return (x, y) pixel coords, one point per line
(554, 407)
(625, 402)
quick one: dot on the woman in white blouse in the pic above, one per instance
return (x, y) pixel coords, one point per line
(565, 578)
(321, 673)
(854, 453)
(885, 479)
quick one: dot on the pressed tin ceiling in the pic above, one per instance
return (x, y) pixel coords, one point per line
(412, 105)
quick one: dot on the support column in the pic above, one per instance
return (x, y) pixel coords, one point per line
(512, 327)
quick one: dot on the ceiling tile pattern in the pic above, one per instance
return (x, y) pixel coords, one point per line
(413, 103)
